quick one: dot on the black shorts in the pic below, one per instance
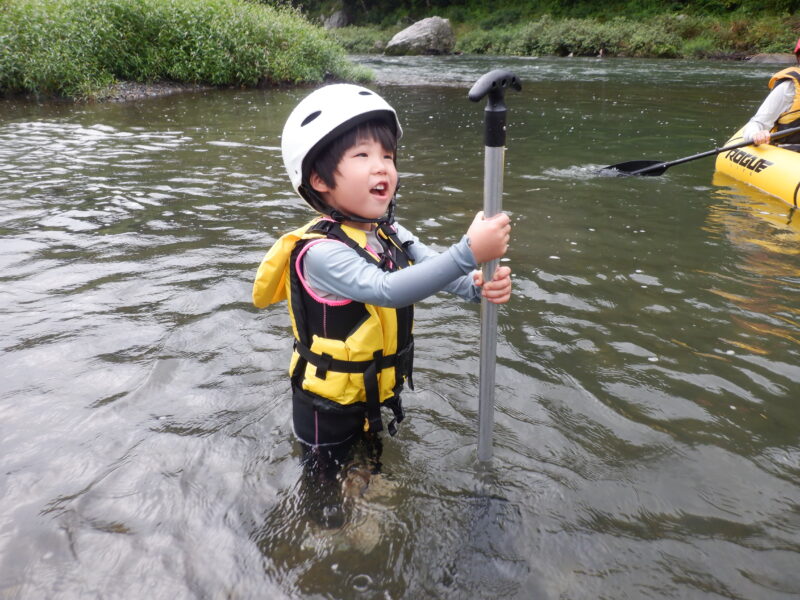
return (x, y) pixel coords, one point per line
(331, 437)
(318, 425)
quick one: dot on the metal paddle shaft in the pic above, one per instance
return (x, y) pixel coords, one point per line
(655, 167)
(493, 85)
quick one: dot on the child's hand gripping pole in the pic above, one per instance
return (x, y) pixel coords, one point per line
(493, 85)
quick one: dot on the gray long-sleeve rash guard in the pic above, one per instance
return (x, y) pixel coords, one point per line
(335, 271)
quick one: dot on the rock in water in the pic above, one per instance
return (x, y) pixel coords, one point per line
(433, 35)
(780, 59)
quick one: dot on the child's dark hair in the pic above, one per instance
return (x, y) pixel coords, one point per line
(328, 158)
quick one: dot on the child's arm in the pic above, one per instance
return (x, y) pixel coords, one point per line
(337, 270)
(341, 273)
(469, 288)
(463, 286)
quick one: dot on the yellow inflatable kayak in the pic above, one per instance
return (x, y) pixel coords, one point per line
(771, 169)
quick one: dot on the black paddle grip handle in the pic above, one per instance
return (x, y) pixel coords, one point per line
(494, 85)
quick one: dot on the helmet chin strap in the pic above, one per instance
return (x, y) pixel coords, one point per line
(340, 216)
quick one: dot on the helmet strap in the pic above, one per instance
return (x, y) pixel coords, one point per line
(340, 217)
(317, 203)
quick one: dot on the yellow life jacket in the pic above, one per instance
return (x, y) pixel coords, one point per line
(791, 118)
(347, 355)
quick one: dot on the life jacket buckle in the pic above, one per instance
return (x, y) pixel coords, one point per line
(324, 367)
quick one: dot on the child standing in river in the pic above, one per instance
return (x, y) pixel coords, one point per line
(352, 274)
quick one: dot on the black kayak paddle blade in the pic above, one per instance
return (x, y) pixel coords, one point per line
(638, 167)
(654, 167)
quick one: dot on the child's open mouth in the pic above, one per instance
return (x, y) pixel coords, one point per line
(380, 190)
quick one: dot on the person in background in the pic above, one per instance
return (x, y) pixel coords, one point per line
(781, 109)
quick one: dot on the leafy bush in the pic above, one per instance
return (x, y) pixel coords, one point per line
(662, 36)
(579, 37)
(699, 47)
(375, 12)
(478, 41)
(78, 48)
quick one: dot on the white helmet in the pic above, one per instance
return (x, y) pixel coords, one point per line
(322, 116)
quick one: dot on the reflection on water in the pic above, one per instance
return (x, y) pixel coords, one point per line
(646, 437)
(783, 233)
(766, 231)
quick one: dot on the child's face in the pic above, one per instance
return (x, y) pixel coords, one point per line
(365, 178)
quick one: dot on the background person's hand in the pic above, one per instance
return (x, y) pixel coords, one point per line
(761, 137)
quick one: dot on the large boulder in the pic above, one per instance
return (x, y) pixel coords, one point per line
(336, 21)
(433, 35)
(778, 59)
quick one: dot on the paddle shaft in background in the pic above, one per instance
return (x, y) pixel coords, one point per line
(655, 167)
(493, 85)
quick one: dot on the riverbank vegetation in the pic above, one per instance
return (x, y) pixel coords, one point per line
(639, 28)
(386, 13)
(80, 48)
(667, 36)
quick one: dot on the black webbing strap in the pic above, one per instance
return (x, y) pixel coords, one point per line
(332, 229)
(403, 360)
(373, 394)
(323, 226)
(401, 247)
(325, 362)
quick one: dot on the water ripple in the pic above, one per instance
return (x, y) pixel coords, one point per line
(647, 367)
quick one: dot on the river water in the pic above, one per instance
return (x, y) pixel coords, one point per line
(646, 429)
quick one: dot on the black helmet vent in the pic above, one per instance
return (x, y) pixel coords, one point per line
(310, 118)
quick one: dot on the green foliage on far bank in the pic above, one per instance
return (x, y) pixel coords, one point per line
(387, 13)
(78, 48)
(363, 39)
(660, 36)
(665, 36)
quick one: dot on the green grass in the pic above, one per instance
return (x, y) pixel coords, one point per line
(364, 40)
(665, 36)
(488, 15)
(78, 48)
